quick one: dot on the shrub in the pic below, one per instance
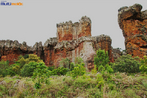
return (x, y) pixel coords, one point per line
(21, 62)
(100, 81)
(26, 56)
(51, 68)
(109, 69)
(84, 82)
(78, 70)
(65, 63)
(33, 57)
(143, 67)
(4, 65)
(59, 71)
(14, 69)
(71, 66)
(126, 63)
(94, 70)
(78, 60)
(42, 74)
(28, 69)
(27, 59)
(101, 58)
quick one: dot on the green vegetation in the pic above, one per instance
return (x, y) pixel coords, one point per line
(101, 61)
(88, 85)
(78, 70)
(28, 69)
(143, 67)
(126, 63)
(101, 58)
(4, 65)
(65, 63)
(29, 77)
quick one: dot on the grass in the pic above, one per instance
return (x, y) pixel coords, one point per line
(116, 85)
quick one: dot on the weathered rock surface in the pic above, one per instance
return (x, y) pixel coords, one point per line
(69, 31)
(133, 23)
(116, 53)
(73, 40)
(10, 50)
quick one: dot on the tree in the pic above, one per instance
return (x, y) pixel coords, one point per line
(101, 58)
(126, 63)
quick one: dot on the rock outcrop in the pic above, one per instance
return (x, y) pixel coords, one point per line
(73, 40)
(10, 50)
(117, 53)
(133, 23)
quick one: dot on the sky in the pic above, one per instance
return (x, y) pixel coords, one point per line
(36, 20)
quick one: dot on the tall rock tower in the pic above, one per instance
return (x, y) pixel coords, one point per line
(133, 23)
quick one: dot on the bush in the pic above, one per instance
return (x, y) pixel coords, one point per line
(28, 69)
(84, 82)
(26, 56)
(42, 74)
(78, 60)
(126, 63)
(22, 60)
(4, 65)
(101, 58)
(72, 66)
(94, 70)
(78, 70)
(51, 68)
(100, 81)
(14, 69)
(33, 57)
(143, 67)
(59, 71)
(65, 63)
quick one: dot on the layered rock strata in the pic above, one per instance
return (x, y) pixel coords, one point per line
(133, 23)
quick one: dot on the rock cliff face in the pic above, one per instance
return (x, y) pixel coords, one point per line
(73, 40)
(133, 23)
(70, 31)
(10, 50)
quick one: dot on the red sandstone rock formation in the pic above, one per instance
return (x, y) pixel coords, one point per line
(69, 31)
(73, 40)
(49, 51)
(133, 23)
(10, 50)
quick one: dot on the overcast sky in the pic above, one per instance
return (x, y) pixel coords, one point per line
(36, 20)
